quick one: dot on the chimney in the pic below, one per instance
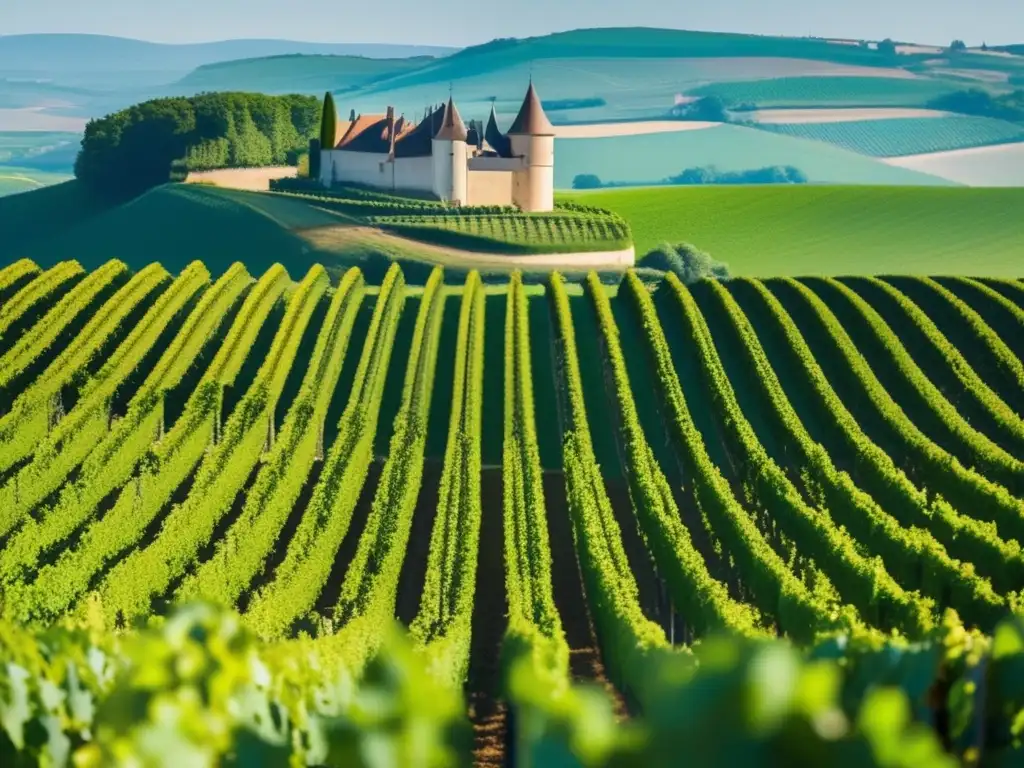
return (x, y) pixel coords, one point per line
(352, 116)
(389, 123)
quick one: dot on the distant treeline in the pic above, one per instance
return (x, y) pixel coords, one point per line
(774, 174)
(1007, 106)
(128, 152)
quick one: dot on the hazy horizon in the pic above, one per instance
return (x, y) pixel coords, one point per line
(415, 22)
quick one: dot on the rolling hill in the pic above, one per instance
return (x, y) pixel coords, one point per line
(79, 55)
(295, 73)
(584, 75)
(787, 230)
(805, 230)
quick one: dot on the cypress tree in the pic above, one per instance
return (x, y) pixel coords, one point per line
(328, 123)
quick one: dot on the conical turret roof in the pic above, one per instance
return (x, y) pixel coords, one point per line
(531, 120)
(452, 127)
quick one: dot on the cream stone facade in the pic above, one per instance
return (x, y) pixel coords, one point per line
(441, 156)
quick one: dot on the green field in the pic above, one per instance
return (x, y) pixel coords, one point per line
(278, 518)
(906, 136)
(805, 230)
(648, 159)
(829, 92)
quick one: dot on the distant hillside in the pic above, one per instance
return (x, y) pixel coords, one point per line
(295, 73)
(637, 42)
(63, 53)
(639, 73)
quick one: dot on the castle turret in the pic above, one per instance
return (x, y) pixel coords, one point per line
(532, 138)
(450, 157)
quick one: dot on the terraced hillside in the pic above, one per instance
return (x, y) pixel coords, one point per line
(549, 487)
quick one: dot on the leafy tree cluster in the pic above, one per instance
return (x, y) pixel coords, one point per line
(711, 109)
(887, 47)
(128, 152)
(773, 174)
(689, 263)
(975, 101)
(587, 181)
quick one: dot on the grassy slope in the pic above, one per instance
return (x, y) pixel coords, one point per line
(172, 225)
(832, 230)
(177, 224)
(650, 158)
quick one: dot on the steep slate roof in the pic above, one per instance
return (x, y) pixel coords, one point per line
(416, 141)
(495, 138)
(531, 120)
(452, 127)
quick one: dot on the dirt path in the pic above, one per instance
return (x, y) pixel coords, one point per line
(251, 179)
(636, 128)
(585, 662)
(1001, 165)
(490, 609)
(330, 238)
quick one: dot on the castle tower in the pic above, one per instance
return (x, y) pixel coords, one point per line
(450, 157)
(532, 138)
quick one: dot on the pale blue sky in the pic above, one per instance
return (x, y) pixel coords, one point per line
(464, 22)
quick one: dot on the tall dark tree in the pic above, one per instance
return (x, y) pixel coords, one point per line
(328, 122)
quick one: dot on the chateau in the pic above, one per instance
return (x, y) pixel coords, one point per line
(440, 155)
